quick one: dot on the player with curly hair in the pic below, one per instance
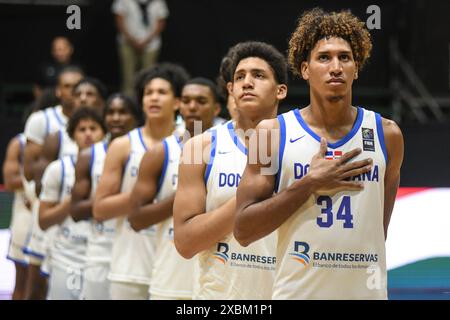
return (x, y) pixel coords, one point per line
(337, 173)
(158, 90)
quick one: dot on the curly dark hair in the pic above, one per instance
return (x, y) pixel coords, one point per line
(316, 24)
(84, 113)
(261, 50)
(175, 74)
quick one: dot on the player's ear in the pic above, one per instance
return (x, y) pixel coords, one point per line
(230, 88)
(356, 73)
(281, 91)
(216, 109)
(304, 70)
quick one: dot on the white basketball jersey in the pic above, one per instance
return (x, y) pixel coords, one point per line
(102, 233)
(228, 270)
(67, 146)
(69, 244)
(333, 246)
(55, 119)
(172, 274)
(133, 252)
(19, 195)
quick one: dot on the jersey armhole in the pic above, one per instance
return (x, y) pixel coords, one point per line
(91, 161)
(164, 169)
(212, 154)
(380, 133)
(63, 173)
(280, 151)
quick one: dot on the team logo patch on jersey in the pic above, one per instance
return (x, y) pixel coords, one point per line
(300, 253)
(333, 154)
(368, 139)
(222, 252)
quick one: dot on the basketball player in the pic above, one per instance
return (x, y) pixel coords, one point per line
(159, 89)
(88, 92)
(68, 245)
(38, 126)
(21, 215)
(154, 192)
(205, 200)
(331, 215)
(121, 116)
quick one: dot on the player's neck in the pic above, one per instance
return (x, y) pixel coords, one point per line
(245, 123)
(66, 110)
(327, 113)
(158, 129)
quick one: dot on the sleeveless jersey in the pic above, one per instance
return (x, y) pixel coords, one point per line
(333, 246)
(67, 146)
(68, 248)
(172, 274)
(133, 252)
(102, 233)
(229, 270)
(19, 195)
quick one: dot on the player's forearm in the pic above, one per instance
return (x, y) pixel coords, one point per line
(81, 209)
(54, 215)
(151, 214)
(204, 230)
(28, 166)
(38, 172)
(389, 202)
(111, 207)
(13, 183)
(260, 218)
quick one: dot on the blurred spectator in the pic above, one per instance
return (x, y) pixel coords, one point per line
(140, 23)
(61, 51)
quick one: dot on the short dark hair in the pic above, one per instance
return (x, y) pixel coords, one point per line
(175, 74)
(84, 113)
(264, 51)
(96, 83)
(70, 69)
(207, 83)
(128, 103)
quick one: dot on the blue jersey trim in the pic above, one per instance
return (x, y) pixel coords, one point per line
(235, 138)
(21, 262)
(344, 140)
(32, 253)
(63, 173)
(164, 169)
(280, 150)
(212, 155)
(44, 274)
(178, 139)
(105, 146)
(380, 133)
(57, 117)
(73, 160)
(141, 138)
(91, 161)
